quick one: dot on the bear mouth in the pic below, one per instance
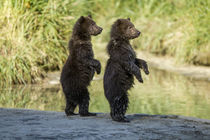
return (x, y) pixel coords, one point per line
(97, 33)
(136, 35)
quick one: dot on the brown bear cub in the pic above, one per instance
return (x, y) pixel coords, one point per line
(121, 67)
(80, 67)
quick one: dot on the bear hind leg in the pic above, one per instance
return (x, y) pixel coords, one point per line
(84, 105)
(118, 109)
(70, 107)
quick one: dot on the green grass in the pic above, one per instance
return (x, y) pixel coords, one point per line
(34, 34)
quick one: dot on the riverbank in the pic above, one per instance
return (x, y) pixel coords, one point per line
(32, 124)
(161, 63)
(169, 64)
(161, 93)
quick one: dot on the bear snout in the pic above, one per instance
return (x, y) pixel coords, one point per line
(138, 33)
(99, 30)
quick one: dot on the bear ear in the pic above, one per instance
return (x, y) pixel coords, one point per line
(90, 16)
(81, 19)
(129, 19)
(118, 22)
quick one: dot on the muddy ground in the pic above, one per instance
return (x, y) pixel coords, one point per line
(31, 124)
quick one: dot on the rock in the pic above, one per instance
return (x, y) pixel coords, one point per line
(32, 124)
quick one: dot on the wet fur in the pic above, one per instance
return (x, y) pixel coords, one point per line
(121, 68)
(80, 67)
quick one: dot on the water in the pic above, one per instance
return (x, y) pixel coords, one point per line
(161, 93)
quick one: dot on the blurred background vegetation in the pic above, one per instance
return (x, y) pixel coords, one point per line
(162, 93)
(34, 34)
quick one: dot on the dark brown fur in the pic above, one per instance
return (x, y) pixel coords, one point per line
(121, 67)
(80, 67)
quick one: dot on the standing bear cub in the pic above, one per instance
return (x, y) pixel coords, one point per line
(121, 67)
(80, 67)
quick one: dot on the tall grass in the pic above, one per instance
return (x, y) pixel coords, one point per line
(33, 37)
(34, 34)
(179, 29)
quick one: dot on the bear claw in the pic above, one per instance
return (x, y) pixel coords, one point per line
(87, 114)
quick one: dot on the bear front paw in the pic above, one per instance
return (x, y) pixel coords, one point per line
(98, 67)
(140, 79)
(145, 67)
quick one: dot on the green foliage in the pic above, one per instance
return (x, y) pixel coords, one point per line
(177, 28)
(34, 34)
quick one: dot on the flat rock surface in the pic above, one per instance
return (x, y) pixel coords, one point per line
(31, 124)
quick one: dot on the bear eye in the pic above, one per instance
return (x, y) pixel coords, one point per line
(129, 27)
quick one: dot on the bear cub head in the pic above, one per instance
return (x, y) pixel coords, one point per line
(86, 25)
(124, 29)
